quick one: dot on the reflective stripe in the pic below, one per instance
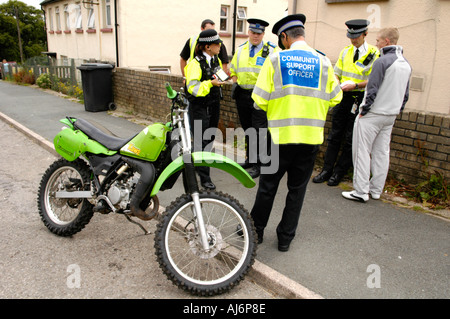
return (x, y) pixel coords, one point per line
(263, 94)
(282, 92)
(192, 46)
(295, 90)
(296, 122)
(253, 70)
(245, 68)
(196, 84)
(362, 75)
(355, 76)
(247, 86)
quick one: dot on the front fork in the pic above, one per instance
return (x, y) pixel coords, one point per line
(190, 180)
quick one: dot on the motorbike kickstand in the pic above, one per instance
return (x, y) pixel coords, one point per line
(140, 225)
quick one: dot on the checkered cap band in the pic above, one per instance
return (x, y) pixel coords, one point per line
(209, 39)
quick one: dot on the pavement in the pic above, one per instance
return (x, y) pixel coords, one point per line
(343, 249)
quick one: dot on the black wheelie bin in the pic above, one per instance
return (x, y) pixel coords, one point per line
(96, 80)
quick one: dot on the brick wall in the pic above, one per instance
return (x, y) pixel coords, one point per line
(420, 141)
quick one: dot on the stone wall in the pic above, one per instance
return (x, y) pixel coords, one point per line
(420, 142)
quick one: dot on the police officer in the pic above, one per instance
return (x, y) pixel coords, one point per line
(295, 88)
(204, 94)
(352, 69)
(188, 51)
(244, 70)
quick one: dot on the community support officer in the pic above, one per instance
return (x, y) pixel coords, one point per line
(244, 70)
(188, 51)
(204, 94)
(295, 88)
(352, 69)
(386, 95)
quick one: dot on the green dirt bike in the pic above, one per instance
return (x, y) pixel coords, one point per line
(205, 240)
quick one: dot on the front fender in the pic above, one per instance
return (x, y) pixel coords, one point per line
(206, 159)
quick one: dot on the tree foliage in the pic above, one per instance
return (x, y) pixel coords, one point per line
(32, 31)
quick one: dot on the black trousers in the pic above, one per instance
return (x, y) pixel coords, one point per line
(208, 116)
(341, 135)
(297, 160)
(250, 117)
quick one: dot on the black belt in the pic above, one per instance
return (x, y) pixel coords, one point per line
(355, 93)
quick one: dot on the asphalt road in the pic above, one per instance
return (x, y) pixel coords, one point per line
(110, 258)
(343, 249)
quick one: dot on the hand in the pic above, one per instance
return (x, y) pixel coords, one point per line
(216, 82)
(348, 87)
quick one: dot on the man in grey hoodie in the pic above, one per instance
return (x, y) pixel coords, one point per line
(386, 94)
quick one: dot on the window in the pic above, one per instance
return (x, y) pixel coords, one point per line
(159, 69)
(50, 19)
(91, 18)
(108, 23)
(224, 13)
(58, 20)
(241, 17)
(339, 1)
(67, 17)
(78, 19)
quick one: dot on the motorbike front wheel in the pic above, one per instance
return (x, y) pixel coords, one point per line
(231, 239)
(64, 216)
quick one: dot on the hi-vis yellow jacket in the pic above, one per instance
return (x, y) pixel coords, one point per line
(296, 87)
(358, 71)
(192, 43)
(198, 81)
(245, 68)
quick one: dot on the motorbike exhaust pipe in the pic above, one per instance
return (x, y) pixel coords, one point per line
(143, 187)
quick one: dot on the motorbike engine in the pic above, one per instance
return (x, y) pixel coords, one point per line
(120, 192)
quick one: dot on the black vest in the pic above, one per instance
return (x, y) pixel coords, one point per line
(207, 74)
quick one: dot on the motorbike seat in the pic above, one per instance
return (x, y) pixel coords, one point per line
(101, 134)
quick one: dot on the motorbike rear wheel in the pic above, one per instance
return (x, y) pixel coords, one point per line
(232, 244)
(65, 216)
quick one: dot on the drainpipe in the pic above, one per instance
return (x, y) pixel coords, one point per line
(234, 26)
(45, 27)
(115, 31)
(294, 7)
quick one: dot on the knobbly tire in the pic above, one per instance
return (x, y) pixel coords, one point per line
(63, 216)
(232, 244)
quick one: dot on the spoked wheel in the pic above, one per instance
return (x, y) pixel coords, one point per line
(231, 239)
(64, 216)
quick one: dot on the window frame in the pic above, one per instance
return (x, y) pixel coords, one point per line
(58, 19)
(78, 17)
(50, 20)
(107, 14)
(91, 18)
(241, 21)
(224, 18)
(66, 17)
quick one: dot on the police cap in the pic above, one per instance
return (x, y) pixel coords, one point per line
(291, 21)
(209, 36)
(356, 27)
(257, 25)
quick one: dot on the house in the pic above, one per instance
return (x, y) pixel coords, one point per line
(423, 26)
(148, 34)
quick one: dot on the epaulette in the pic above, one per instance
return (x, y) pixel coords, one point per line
(243, 43)
(271, 44)
(200, 57)
(320, 52)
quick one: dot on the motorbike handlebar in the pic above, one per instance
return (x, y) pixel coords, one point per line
(171, 94)
(178, 99)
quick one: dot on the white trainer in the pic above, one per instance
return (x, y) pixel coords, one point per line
(375, 196)
(354, 196)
